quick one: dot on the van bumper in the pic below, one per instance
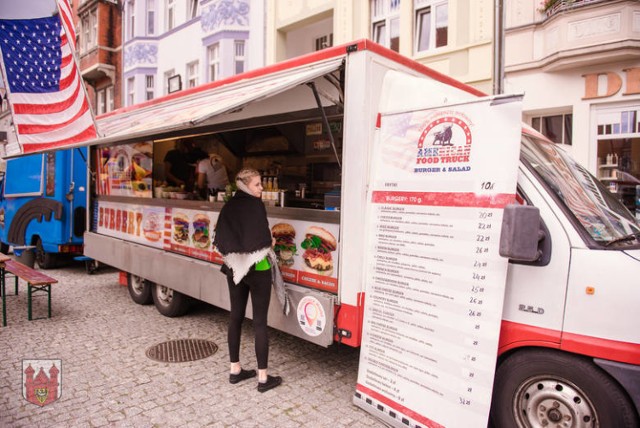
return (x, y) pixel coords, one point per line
(627, 375)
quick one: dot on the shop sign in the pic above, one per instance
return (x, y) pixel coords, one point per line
(592, 83)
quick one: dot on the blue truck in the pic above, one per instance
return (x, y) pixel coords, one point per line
(43, 204)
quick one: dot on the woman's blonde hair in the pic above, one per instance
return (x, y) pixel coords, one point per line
(246, 174)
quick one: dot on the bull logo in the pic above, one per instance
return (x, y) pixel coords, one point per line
(42, 381)
(443, 138)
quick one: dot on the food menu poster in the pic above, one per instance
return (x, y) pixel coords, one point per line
(306, 252)
(434, 279)
(125, 170)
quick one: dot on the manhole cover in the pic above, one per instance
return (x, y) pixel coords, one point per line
(182, 350)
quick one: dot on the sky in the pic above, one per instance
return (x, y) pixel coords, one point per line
(20, 9)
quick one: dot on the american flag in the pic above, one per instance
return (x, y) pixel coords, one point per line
(49, 104)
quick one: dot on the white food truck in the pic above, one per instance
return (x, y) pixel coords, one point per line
(569, 342)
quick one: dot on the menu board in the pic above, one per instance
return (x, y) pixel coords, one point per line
(435, 281)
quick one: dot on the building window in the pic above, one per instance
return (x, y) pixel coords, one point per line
(618, 123)
(385, 23)
(192, 11)
(213, 53)
(168, 75)
(557, 128)
(171, 14)
(151, 17)
(130, 20)
(324, 42)
(104, 100)
(432, 24)
(131, 91)
(150, 87)
(89, 25)
(192, 74)
(239, 56)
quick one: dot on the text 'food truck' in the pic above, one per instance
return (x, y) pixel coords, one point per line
(338, 136)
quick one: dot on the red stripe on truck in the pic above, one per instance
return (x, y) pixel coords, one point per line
(515, 335)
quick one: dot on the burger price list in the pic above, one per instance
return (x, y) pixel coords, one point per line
(433, 301)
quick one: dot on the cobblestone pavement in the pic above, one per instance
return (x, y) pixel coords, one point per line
(101, 336)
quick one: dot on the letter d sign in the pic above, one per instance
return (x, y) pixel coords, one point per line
(614, 83)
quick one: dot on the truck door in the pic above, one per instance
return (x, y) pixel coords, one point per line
(535, 292)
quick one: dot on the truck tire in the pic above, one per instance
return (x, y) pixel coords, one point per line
(43, 259)
(547, 388)
(169, 303)
(140, 289)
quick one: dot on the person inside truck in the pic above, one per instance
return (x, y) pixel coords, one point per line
(244, 239)
(211, 175)
(178, 164)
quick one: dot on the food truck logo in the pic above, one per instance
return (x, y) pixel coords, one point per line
(444, 145)
(41, 389)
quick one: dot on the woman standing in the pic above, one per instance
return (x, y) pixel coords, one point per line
(244, 239)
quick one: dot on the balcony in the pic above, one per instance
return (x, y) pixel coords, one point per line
(552, 7)
(574, 34)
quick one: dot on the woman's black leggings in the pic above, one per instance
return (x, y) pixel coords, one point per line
(258, 283)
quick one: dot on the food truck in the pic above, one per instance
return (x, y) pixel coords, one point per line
(569, 346)
(43, 206)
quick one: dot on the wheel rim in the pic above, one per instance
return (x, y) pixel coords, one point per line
(137, 284)
(545, 402)
(164, 294)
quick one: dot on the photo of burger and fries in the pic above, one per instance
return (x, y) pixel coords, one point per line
(318, 245)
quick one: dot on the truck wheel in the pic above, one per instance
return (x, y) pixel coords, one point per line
(43, 259)
(139, 289)
(546, 388)
(169, 303)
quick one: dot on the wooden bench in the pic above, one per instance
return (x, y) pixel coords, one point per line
(37, 283)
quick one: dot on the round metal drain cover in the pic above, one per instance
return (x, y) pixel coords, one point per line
(182, 350)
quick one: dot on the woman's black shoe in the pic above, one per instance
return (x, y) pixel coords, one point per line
(272, 382)
(244, 374)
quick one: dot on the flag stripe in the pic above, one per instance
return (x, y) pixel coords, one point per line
(48, 103)
(66, 135)
(48, 125)
(67, 21)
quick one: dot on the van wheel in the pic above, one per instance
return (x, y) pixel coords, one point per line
(140, 289)
(169, 303)
(43, 259)
(544, 388)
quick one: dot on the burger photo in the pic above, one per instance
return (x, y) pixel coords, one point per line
(151, 227)
(285, 245)
(318, 245)
(181, 228)
(200, 237)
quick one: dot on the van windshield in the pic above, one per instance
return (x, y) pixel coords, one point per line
(601, 214)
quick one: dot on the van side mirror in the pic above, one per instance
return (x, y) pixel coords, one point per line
(521, 233)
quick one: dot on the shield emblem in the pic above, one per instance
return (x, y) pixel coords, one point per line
(41, 381)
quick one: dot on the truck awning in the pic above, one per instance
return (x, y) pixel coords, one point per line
(192, 110)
